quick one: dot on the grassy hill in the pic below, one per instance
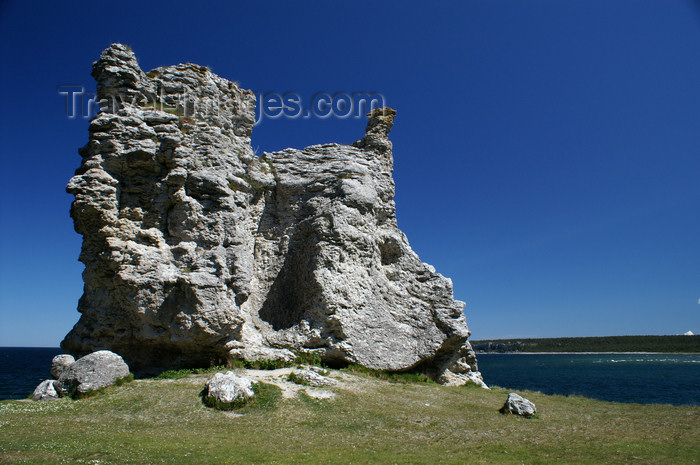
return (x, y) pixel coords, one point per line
(662, 344)
(366, 421)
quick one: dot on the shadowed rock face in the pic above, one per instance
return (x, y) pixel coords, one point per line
(197, 251)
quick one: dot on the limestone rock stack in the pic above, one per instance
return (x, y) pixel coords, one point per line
(198, 251)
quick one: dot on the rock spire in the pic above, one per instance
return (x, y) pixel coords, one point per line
(197, 251)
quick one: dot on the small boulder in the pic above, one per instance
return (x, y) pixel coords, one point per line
(310, 378)
(94, 371)
(518, 405)
(60, 363)
(227, 390)
(461, 378)
(45, 391)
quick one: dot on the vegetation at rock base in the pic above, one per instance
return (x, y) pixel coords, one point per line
(368, 421)
(127, 379)
(662, 344)
(261, 364)
(185, 372)
(294, 378)
(75, 395)
(407, 377)
(301, 358)
(307, 358)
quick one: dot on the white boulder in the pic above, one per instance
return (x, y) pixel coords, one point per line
(518, 405)
(228, 389)
(45, 391)
(60, 363)
(94, 371)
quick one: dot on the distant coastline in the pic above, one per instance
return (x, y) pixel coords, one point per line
(589, 353)
(592, 345)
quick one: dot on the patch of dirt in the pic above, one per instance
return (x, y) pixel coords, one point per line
(290, 390)
(320, 393)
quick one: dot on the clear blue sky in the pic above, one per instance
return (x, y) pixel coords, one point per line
(547, 153)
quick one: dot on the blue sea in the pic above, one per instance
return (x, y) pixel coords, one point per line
(22, 369)
(643, 378)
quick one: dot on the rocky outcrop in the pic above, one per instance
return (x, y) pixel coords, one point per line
(197, 251)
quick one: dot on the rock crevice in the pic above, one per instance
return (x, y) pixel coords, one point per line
(197, 251)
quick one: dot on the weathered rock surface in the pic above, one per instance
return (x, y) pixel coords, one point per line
(227, 388)
(312, 378)
(60, 363)
(94, 371)
(197, 251)
(453, 378)
(518, 405)
(46, 390)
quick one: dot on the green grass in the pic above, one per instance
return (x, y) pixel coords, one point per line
(127, 379)
(368, 421)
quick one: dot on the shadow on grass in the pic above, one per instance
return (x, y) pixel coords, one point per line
(392, 377)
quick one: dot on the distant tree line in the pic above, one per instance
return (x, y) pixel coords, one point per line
(663, 344)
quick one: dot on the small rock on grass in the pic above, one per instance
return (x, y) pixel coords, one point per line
(227, 390)
(310, 378)
(518, 405)
(45, 391)
(92, 372)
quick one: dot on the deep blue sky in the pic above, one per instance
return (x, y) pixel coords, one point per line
(547, 153)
